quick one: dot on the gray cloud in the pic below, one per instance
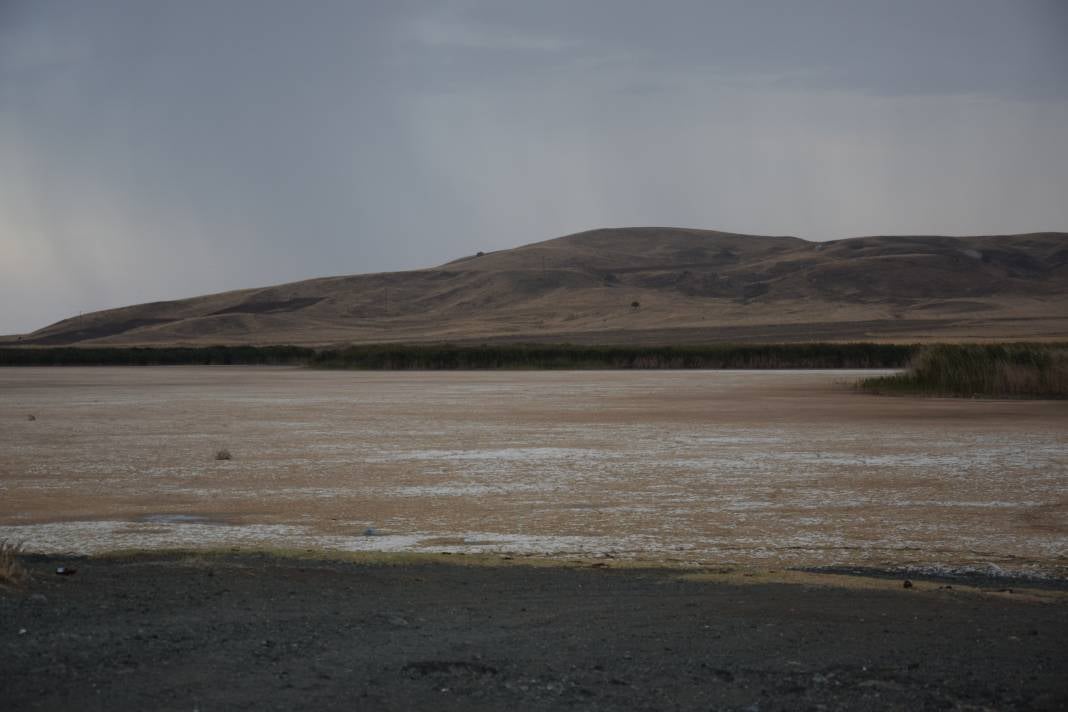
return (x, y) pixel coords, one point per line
(160, 150)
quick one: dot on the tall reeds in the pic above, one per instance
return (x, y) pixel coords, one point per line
(1023, 370)
(503, 356)
(1000, 371)
(155, 356)
(566, 356)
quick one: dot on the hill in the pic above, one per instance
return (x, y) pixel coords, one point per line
(631, 285)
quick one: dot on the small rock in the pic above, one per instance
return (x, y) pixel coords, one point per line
(907, 584)
(22, 631)
(31, 417)
(64, 571)
(39, 597)
(369, 531)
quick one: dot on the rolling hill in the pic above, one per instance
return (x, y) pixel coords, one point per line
(638, 285)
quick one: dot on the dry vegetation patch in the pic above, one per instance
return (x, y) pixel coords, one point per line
(11, 569)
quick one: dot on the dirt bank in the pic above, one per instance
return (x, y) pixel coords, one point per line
(254, 632)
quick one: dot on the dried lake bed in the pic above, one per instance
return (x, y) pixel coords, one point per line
(763, 469)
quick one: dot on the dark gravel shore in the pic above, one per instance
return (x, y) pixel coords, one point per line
(256, 632)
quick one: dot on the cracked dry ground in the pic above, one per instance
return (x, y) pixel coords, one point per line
(253, 632)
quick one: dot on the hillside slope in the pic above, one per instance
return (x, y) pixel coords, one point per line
(689, 285)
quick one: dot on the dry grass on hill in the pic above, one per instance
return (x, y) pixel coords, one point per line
(691, 286)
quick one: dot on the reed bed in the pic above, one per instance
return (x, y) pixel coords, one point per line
(480, 357)
(156, 356)
(519, 356)
(1011, 370)
(992, 370)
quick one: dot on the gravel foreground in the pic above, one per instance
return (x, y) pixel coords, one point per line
(248, 631)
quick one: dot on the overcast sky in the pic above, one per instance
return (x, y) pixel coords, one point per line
(155, 150)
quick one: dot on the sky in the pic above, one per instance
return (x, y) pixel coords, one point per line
(158, 150)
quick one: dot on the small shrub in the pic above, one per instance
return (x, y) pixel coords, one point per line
(11, 570)
(223, 454)
(31, 418)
